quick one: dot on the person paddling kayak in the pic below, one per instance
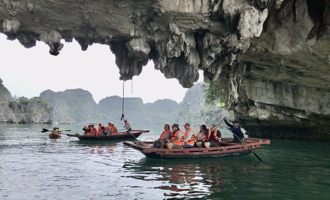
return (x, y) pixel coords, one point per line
(236, 129)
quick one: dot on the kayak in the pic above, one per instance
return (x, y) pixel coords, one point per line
(117, 136)
(226, 149)
(54, 135)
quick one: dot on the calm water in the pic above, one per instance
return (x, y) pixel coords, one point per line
(35, 167)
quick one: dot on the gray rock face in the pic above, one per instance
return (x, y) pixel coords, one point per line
(251, 47)
(5, 95)
(23, 110)
(75, 105)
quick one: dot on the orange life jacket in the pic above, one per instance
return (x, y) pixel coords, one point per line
(191, 140)
(113, 129)
(93, 131)
(200, 133)
(175, 137)
(162, 136)
(99, 132)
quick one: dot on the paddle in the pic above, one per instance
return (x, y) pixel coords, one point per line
(46, 130)
(242, 142)
(132, 135)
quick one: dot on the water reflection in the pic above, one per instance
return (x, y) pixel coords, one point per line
(185, 178)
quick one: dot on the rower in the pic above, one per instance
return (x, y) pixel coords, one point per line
(177, 138)
(127, 126)
(56, 130)
(164, 137)
(236, 130)
(189, 136)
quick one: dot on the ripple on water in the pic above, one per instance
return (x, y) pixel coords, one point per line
(34, 167)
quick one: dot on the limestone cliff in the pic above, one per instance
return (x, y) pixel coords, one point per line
(270, 57)
(23, 110)
(74, 105)
(196, 111)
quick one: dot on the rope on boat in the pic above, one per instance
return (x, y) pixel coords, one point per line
(123, 103)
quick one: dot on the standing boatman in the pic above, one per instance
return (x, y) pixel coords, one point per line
(127, 126)
(236, 129)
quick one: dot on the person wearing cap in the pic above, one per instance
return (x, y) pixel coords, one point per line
(236, 130)
(127, 126)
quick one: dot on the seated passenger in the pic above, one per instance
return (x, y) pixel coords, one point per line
(108, 129)
(214, 136)
(189, 136)
(87, 130)
(164, 137)
(56, 130)
(99, 131)
(113, 129)
(201, 136)
(177, 138)
(93, 130)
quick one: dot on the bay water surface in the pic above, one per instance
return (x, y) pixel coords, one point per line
(32, 166)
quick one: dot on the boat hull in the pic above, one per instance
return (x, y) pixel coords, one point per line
(118, 136)
(227, 149)
(54, 135)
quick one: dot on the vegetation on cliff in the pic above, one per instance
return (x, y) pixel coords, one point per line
(23, 110)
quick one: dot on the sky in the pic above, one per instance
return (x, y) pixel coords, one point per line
(28, 72)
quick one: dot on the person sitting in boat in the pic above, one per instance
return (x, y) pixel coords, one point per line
(93, 130)
(189, 136)
(56, 130)
(113, 129)
(177, 138)
(201, 136)
(127, 126)
(213, 136)
(87, 130)
(164, 137)
(99, 131)
(236, 130)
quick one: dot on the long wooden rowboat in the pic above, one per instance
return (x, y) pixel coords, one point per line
(226, 149)
(118, 136)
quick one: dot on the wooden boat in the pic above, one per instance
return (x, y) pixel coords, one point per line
(118, 136)
(227, 148)
(54, 135)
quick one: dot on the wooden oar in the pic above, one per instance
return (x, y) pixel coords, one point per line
(46, 130)
(132, 135)
(242, 142)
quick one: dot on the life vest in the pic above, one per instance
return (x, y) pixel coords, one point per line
(99, 132)
(213, 136)
(93, 131)
(175, 137)
(215, 133)
(113, 129)
(199, 134)
(163, 135)
(192, 139)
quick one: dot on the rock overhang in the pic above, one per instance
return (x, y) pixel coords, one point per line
(243, 44)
